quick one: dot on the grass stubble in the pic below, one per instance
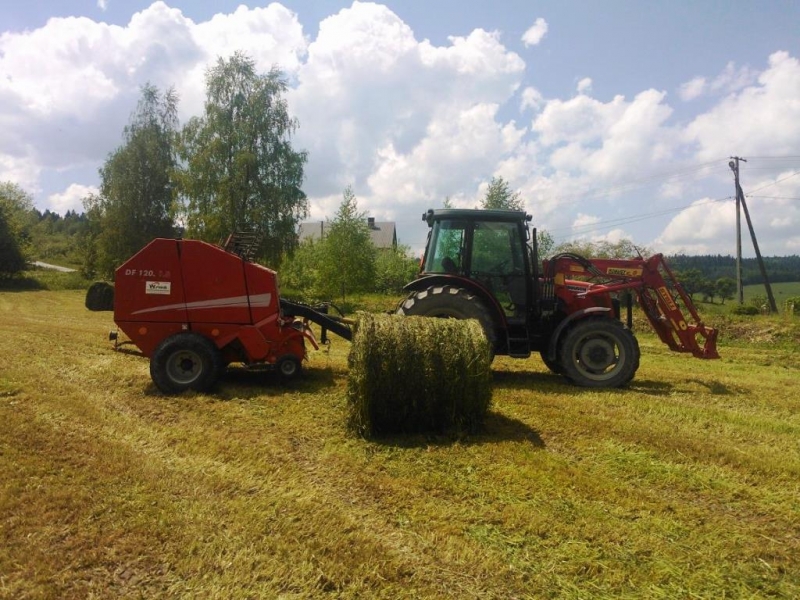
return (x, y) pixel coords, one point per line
(683, 485)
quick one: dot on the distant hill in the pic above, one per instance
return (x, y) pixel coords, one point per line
(779, 268)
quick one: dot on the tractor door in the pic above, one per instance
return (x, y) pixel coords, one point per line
(498, 263)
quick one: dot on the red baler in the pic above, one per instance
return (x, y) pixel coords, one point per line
(193, 308)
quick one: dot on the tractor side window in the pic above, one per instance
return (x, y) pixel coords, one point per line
(498, 263)
(496, 249)
(445, 252)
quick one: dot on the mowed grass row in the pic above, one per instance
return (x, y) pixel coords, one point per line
(684, 485)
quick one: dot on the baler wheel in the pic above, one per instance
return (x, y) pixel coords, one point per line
(288, 366)
(599, 353)
(185, 361)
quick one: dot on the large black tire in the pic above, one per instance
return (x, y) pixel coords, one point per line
(100, 296)
(185, 361)
(599, 353)
(553, 365)
(446, 301)
(289, 367)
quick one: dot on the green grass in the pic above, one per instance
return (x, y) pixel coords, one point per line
(781, 291)
(44, 279)
(684, 485)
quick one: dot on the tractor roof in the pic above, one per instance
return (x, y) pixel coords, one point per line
(475, 214)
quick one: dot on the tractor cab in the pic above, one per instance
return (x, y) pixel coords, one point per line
(488, 248)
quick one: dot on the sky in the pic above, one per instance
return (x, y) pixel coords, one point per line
(613, 119)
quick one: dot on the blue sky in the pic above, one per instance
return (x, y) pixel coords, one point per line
(612, 119)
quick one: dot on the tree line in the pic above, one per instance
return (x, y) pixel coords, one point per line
(779, 268)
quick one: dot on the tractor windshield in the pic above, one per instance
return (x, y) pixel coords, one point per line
(446, 248)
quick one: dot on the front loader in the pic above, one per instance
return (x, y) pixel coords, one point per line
(478, 264)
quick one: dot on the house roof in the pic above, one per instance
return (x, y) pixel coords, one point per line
(382, 233)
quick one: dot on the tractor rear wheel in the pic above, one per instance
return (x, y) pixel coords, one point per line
(185, 361)
(599, 353)
(553, 365)
(447, 301)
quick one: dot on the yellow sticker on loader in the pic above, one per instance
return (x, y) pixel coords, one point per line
(667, 298)
(624, 272)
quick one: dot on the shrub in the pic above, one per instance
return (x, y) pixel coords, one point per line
(793, 305)
(745, 309)
(416, 374)
(760, 302)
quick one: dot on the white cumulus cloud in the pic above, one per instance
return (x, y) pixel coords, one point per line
(731, 79)
(535, 33)
(71, 198)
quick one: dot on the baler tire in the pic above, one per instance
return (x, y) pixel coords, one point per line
(185, 361)
(599, 353)
(446, 301)
(289, 367)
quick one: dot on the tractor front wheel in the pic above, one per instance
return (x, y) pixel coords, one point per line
(599, 353)
(185, 361)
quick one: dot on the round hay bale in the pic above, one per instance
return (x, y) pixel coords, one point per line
(418, 374)
(100, 296)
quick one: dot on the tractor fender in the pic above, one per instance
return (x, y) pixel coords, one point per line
(473, 287)
(552, 346)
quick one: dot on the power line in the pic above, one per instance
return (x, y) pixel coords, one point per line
(635, 183)
(773, 157)
(775, 197)
(607, 224)
(795, 174)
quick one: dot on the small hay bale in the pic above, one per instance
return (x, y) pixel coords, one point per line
(418, 374)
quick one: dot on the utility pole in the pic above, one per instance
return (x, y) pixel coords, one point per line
(739, 288)
(740, 201)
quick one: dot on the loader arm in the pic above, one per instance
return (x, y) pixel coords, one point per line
(658, 291)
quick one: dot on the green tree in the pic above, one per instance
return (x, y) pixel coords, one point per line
(241, 172)
(545, 243)
(16, 205)
(394, 267)
(135, 203)
(692, 281)
(347, 257)
(603, 249)
(708, 289)
(725, 288)
(499, 195)
(300, 270)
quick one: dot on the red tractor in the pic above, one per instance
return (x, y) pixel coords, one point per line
(479, 264)
(193, 308)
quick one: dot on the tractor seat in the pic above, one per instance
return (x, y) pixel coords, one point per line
(449, 265)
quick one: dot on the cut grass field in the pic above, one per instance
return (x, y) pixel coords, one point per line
(685, 485)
